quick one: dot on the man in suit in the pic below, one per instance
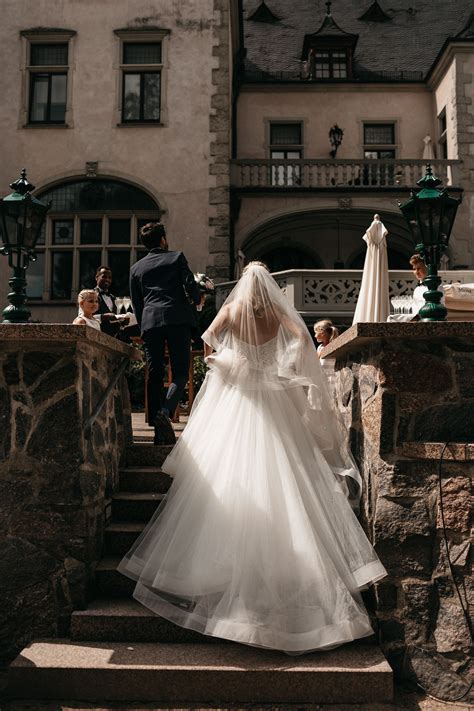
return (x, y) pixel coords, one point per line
(107, 307)
(161, 285)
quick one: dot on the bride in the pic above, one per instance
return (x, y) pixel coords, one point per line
(257, 541)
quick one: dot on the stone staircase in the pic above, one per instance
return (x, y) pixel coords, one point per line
(120, 651)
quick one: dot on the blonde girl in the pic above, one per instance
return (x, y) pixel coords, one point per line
(88, 301)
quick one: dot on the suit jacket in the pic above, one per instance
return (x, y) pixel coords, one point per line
(103, 308)
(161, 285)
(111, 329)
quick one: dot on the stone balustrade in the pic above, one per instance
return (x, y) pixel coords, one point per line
(333, 174)
(331, 293)
(55, 481)
(405, 390)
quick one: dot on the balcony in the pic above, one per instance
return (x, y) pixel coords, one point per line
(250, 175)
(333, 293)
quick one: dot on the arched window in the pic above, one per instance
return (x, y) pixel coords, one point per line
(92, 221)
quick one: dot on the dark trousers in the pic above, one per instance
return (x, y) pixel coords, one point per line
(178, 339)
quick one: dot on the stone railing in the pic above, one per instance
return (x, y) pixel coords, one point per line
(334, 292)
(405, 391)
(356, 174)
(55, 479)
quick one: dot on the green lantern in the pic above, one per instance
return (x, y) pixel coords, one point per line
(430, 215)
(21, 220)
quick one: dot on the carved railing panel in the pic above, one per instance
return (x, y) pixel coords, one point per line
(335, 291)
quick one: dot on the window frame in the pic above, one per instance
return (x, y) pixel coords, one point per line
(134, 248)
(141, 73)
(126, 36)
(331, 61)
(379, 147)
(293, 177)
(50, 37)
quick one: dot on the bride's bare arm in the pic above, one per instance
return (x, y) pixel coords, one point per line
(292, 327)
(219, 323)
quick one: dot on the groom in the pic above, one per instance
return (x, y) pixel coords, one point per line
(161, 285)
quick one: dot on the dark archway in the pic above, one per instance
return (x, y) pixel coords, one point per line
(326, 239)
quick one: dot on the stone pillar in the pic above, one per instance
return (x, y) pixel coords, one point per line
(54, 481)
(405, 389)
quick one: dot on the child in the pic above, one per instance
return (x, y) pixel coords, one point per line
(88, 301)
(325, 332)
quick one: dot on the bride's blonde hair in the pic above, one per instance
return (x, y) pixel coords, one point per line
(256, 301)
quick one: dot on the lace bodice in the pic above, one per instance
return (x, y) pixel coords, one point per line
(264, 355)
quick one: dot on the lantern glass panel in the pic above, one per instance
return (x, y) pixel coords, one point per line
(10, 237)
(429, 220)
(30, 224)
(447, 219)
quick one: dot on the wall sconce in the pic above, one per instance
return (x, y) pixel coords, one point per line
(335, 137)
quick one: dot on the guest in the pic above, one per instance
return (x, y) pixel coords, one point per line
(421, 272)
(325, 332)
(161, 285)
(88, 304)
(107, 309)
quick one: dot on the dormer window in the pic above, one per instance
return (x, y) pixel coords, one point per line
(328, 64)
(327, 54)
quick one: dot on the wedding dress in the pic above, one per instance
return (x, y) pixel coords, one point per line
(256, 540)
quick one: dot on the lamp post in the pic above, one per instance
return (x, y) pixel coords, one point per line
(430, 214)
(335, 137)
(21, 219)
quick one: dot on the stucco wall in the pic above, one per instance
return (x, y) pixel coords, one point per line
(321, 107)
(171, 161)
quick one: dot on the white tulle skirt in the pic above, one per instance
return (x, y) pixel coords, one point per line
(255, 541)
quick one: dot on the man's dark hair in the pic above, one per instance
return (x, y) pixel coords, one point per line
(103, 268)
(151, 234)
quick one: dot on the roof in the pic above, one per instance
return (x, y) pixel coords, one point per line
(409, 41)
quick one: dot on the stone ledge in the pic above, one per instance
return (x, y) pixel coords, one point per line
(361, 335)
(455, 452)
(41, 332)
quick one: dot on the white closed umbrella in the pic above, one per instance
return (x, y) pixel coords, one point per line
(428, 149)
(373, 304)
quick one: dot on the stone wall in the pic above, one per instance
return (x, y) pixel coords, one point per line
(404, 390)
(54, 482)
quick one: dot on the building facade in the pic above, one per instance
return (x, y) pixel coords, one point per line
(397, 80)
(120, 113)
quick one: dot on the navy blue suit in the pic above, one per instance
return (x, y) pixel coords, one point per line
(161, 285)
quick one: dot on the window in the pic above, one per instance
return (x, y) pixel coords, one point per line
(286, 145)
(330, 64)
(91, 222)
(443, 135)
(142, 58)
(379, 133)
(47, 66)
(141, 98)
(379, 145)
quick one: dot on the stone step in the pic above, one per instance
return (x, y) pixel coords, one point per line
(125, 620)
(146, 454)
(135, 506)
(119, 536)
(145, 479)
(212, 675)
(109, 582)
